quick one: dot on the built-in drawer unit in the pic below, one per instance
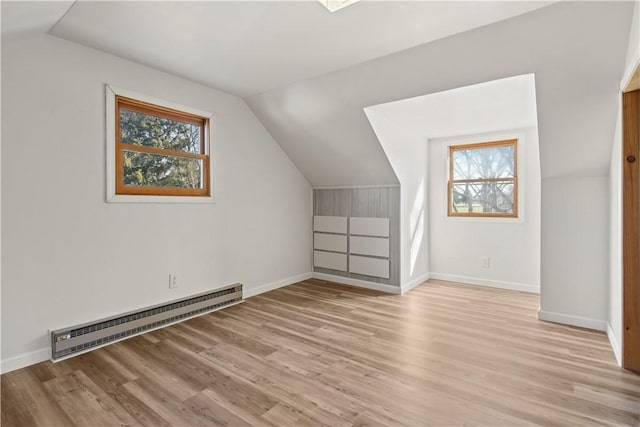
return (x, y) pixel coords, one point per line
(369, 246)
(330, 242)
(362, 223)
(355, 245)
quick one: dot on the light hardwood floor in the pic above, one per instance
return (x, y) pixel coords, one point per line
(319, 353)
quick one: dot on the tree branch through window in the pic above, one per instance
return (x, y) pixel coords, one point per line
(160, 151)
(483, 180)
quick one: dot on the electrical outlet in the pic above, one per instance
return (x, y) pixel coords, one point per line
(485, 262)
(173, 281)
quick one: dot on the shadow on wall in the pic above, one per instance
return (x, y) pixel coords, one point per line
(416, 221)
(415, 134)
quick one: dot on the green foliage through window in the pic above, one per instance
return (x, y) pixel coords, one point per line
(159, 132)
(160, 151)
(154, 170)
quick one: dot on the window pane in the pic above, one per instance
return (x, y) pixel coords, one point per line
(489, 162)
(152, 131)
(483, 197)
(155, 170)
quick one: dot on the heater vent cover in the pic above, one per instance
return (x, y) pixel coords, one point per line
(81, 338)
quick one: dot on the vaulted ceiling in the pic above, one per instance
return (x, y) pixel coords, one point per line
(576, 50)
(248, 47)
(308, 74)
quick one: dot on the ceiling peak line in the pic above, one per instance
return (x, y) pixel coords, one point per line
(336, 5)
(62, 16)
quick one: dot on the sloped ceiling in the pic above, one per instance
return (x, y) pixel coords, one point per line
(24, 18)
(247, 47)
(575, 49)
(505, 104)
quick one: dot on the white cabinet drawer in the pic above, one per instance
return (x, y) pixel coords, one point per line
(330, 224)
(375, 246)
(330, 242)
(330, 260)
(369, 266)
(369, 226)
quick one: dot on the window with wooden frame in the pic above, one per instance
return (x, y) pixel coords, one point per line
(483, 179)
(159, 150)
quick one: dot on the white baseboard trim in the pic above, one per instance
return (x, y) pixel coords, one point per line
(415, 282)
(24, 360)
(522, 287)
(349, 187)
(251, 292)
(567, 319)
(617, 349)
(359, 283)
(27, 359)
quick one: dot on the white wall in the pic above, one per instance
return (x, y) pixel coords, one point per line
(69, 257)
(407, 153)
(575, 228)
(614, 327)
(0, 206)
(319, 120)
(513, 245)
(570, 46)
(413, 132)
(614, 319)
(575, 125)
(633, 49)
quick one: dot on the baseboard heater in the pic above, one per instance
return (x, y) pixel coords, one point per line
(89, 336)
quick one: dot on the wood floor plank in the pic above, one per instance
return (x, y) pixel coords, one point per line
(320, 353)
(80, 403)
(16, 403)
(165, 405)
(33, 398)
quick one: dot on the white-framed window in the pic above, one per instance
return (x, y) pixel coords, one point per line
(483, 179)
(157, 151)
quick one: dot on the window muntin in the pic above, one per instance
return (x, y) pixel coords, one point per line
(483, 180)
(160, 151)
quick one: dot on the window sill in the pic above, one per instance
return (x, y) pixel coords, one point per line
(123, 198)
(503, 220)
